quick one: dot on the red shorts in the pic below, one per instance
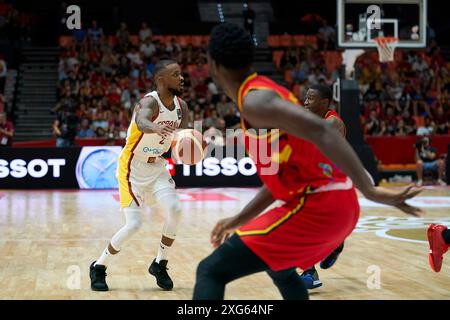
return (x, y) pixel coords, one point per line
(303, 231)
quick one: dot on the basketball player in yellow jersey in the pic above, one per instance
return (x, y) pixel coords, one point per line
(142, 174)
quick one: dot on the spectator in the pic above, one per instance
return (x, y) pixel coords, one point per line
(173, 47)
(442, 121)
(427, 128)
(3, 73)
(65, 127)
(315, 77)
(326, 36)
(372, 125)
(199, 72)
(100, 132)
(6, 131)
(95, 33)
(410, 123)
(123, 37)
(419, 65)
(426, 159)
(223, 106)
(2, 103)
(145, 32)
(298, 75)
(391, 120)
(134, 56)
(80, 35)
(85, 130)
(232, 119)
(212, 89)
(147, 49)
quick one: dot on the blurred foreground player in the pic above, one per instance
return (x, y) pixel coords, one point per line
(439, 241)
(142, 174)
(318, 99)
(321, 208)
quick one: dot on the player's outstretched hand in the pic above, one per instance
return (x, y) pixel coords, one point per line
(223, 229)
(397, 199)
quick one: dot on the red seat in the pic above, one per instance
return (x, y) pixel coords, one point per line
(184, 41)
(273, 41)
(276, 57)
(197, 41)
(299, 40)
(134, 39)
(65, 41)
(286, 40)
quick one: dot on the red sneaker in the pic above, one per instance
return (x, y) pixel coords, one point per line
(437, 246)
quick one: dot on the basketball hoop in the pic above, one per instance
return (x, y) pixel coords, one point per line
(386, 48)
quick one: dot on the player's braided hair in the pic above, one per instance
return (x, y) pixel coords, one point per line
(231, 46)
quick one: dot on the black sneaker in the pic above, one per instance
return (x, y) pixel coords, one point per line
(159, 270)
(98, 277)
(329, 261)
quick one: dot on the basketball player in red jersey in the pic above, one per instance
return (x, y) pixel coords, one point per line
(318, 99)
(321, 206)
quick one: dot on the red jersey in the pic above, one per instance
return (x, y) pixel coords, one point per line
(300, 163)
(334, 114)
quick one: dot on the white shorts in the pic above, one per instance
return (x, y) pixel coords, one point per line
(139, 180)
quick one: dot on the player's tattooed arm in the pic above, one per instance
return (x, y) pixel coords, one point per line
(184, 114)
(265, 109)
(146, 110)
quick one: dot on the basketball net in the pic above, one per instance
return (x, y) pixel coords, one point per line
(386, 48)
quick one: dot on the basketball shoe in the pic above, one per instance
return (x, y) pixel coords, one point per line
(311, 279)
(329, 261)
(98, 277)
(159, 270)
(437, 246)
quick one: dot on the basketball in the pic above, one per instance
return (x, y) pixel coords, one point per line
(189, 147)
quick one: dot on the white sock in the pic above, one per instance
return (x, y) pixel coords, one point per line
(162, 252)
(105, 255)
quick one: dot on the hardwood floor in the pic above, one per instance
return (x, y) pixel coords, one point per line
(49, 238)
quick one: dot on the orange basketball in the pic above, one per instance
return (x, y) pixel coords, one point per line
(189, 147)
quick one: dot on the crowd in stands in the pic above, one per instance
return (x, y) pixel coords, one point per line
(102, 77)
(15, 26)
(408, 97)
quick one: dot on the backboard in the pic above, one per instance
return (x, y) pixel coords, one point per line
(360, 21)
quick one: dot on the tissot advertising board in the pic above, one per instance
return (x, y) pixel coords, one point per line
(95, 168)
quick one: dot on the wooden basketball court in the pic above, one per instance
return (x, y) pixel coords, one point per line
(49, 238)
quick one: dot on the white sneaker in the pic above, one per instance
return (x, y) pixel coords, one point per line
(419, 183)
(441, 182)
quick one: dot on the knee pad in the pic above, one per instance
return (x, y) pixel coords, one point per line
(170, 201)
(133, 221)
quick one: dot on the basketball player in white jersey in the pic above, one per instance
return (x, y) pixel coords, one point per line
(142, 174)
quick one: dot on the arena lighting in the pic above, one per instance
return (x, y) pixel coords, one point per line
(220, 11)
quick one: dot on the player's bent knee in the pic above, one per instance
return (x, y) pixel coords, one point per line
(134, 225)
(205, 268)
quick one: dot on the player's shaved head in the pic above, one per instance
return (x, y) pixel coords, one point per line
(324, 91)
(161, 66)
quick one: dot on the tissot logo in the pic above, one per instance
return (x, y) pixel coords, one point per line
(227, 166)
(37, 168)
